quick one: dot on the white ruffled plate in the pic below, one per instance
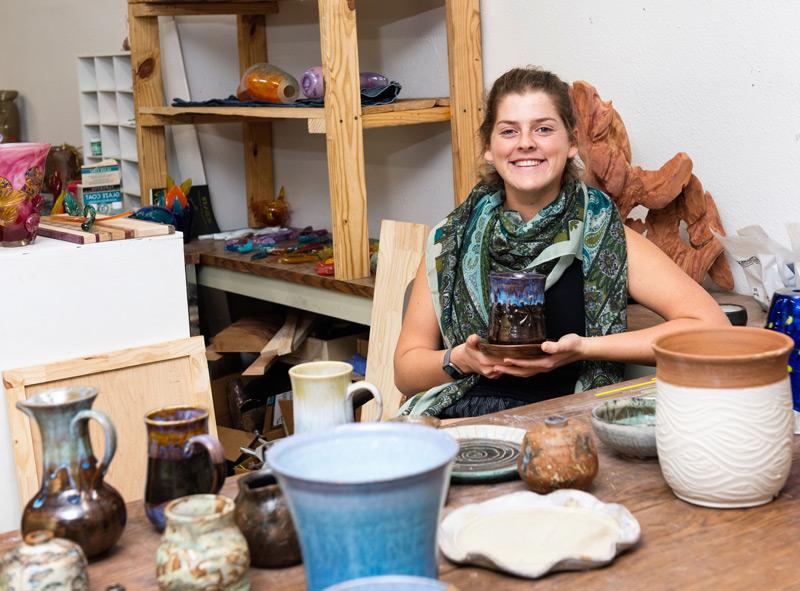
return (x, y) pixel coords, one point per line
(529, 535)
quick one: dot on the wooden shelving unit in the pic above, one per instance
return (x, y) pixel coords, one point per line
(342, 120)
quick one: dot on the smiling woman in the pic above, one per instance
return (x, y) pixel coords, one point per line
(531, 213)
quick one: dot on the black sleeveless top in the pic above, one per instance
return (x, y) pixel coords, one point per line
(564, 314)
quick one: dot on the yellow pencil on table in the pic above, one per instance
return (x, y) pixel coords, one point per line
(629, 387)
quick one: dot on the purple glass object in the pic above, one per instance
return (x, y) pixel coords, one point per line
(313, 83)
(21, 176)
(516, 316)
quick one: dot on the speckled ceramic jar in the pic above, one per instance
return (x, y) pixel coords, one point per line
(558, 453)
(202, 548)
(263, 516)
(42, 562)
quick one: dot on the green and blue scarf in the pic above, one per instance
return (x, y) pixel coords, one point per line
(480, 237)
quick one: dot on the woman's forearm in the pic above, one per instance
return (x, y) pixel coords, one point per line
(419, 369)
(636, 346)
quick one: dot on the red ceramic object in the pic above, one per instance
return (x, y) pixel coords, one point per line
(558, 453)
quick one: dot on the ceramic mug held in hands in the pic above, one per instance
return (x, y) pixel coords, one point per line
(323, 395)
(182, 458)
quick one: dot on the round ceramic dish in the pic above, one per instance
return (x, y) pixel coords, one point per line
(627, 425)
(531, 350)
(392, 583)
(529, 535)
(486, 453)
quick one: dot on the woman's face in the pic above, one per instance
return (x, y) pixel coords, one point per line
(529, 147)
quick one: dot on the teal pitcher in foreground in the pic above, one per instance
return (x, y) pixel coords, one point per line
(73, 502)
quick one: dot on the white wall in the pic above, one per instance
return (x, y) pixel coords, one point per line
(718, 80)
(39, 44)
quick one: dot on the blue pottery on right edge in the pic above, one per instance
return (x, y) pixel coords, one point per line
(784, 316)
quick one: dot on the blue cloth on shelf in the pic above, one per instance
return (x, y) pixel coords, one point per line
(382, 95)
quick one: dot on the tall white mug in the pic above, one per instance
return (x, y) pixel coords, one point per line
(322, 395)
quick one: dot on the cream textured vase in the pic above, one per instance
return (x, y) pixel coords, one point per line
(724, 418)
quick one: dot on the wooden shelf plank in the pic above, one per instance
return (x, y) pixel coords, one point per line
(204, 8)
(213, 254)
(401, 112)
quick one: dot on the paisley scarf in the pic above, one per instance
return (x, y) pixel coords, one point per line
(480, 237)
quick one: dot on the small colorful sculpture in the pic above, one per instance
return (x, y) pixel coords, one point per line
(265, 82)
(271, 213)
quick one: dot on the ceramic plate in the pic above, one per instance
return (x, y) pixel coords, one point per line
(532, 350)
(486, 452)
(529, 535)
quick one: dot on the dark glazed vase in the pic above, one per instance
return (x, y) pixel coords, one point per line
(558, 454)
(73, 502)
(263, 516)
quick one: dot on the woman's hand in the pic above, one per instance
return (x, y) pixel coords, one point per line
(565, 350)
(469, 359)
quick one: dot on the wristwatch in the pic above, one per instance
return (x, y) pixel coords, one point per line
(451, 368)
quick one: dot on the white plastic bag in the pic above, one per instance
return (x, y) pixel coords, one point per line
(767, 265)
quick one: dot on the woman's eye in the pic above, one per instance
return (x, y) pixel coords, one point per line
(544, 130)
(507, 132)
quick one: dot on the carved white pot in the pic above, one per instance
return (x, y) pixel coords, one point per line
(724, 419)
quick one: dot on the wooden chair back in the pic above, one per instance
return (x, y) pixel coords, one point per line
(402, 245)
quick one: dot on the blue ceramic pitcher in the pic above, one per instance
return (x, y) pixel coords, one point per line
(784, 316)
(365, 499)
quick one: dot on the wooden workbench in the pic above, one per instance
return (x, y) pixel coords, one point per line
(682, 547)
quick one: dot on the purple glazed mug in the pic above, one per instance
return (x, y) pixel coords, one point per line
(516, 316)
(182, 458)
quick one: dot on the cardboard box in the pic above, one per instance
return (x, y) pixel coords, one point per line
(314, 349)
(232, 440)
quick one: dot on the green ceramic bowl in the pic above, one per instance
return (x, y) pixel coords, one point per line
(627, 425)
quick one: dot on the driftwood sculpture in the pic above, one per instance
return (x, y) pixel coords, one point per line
(671, 194)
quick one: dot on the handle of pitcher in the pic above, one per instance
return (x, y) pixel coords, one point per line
(351, 391)
(109, 432)
(216, 457)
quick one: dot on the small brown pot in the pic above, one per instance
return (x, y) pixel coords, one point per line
(263, 516)
(558, 454)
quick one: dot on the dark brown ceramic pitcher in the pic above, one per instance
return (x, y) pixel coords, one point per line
(73, 501)
(182, 458)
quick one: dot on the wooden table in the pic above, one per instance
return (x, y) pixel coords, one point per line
(682, 547)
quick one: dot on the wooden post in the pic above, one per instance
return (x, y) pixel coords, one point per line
(466, 91)
(147, 92)
(345, 138)
(256, 136)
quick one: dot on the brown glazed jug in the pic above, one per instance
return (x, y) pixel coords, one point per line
(557, 454)
(263, 516)
(74, 502)
(9, 117)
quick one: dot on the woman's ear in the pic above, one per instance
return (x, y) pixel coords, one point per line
(487, 156)
(573, 151)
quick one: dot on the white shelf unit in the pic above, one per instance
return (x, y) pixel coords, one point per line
(106, 107)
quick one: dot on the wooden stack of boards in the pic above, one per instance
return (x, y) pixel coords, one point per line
(61, 227)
